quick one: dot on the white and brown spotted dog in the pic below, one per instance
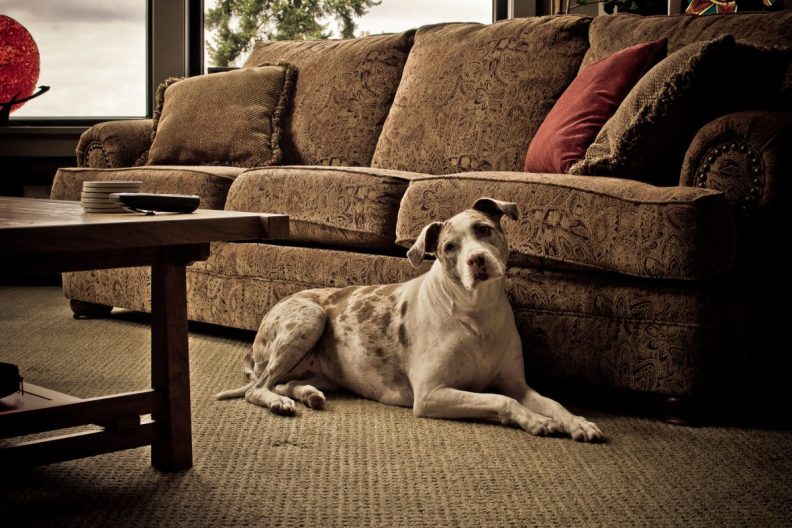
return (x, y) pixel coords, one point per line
(434, 343)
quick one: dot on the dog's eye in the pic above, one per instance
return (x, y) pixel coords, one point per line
(482, 230)
(450, 247)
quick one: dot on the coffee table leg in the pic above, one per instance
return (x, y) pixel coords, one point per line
(170, 368)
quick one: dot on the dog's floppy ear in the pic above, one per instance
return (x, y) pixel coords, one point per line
(497, 208)
(425, 243)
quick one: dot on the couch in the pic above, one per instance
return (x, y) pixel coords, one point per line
(670, 289)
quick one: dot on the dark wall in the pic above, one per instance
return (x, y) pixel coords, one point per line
(30, 176)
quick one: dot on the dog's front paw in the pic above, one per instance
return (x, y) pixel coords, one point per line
(283, 406)
(538, 425)
(582, 430)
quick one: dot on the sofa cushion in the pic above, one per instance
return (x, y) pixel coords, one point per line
(342, 206)
(586, 105)
(648, 135)
(211, 183)
(230, 118)
(603, 224)
(611, 33)
(343, 91)
(473, 96)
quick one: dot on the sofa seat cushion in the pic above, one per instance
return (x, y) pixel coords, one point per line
(343, 92)
(472, 96)
(211, 183)
(337, 206)
(595, 223)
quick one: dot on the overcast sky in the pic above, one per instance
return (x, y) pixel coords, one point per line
(93, 55)
(93, 52)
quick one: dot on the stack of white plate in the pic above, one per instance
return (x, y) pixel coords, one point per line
(95, 196)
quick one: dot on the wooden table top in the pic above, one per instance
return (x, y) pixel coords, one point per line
(44, 226)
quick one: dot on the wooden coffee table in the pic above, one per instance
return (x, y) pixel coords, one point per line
(44, 236)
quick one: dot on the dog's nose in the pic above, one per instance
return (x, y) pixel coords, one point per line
(476, 259)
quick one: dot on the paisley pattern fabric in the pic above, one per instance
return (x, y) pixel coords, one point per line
(611, 33)
(473, 96)
(745, 155)
(653, 336)
(115, 144)
(210, 183)
(647, 137)
(650, 336)
(350, 207)
(240, 282)
(343, 92)
(592, 223)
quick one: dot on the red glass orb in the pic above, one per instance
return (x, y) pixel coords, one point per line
(19, 61)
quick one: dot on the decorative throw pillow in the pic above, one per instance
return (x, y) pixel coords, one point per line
(586, 105)
(231, 118)
(647, 137)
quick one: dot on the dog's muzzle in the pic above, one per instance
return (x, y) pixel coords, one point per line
(482, 266)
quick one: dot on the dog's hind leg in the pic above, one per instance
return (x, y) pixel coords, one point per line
(305, 391)
(287, 335)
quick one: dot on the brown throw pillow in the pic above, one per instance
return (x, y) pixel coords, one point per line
(231, 118)
(647, 137)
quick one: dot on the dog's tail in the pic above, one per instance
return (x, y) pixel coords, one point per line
(234, 393)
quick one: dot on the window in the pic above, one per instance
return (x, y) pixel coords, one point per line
(390, 16)
(93, 57)
(398, 15)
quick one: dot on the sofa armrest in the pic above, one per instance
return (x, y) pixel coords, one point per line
(746, 155)
(115, 144)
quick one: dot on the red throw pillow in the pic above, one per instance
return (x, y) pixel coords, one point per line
(586, 105)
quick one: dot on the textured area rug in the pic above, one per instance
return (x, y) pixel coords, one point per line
(361, 463)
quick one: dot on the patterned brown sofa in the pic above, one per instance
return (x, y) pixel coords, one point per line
(668, 290)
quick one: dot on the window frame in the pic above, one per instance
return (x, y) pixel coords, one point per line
(174, 45)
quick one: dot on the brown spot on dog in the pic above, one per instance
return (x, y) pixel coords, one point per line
(337, 301)
(448, 258)
(403, 309)
(379, 352)
(290, 325)
(384, 321)
(404, 340)
(364, 311)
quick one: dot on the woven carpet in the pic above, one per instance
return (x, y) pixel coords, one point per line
(361, 463)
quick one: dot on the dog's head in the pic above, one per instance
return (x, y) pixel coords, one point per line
(471, 246)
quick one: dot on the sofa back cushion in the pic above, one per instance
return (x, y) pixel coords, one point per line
(341, 99)
(611, 33)
(472, 96)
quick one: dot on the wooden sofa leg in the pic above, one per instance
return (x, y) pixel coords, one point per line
(678, 410)
(89, 310)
